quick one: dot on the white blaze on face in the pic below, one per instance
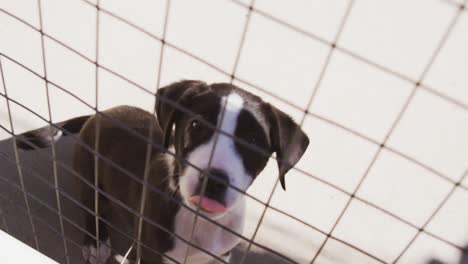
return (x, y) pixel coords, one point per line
(225, 156)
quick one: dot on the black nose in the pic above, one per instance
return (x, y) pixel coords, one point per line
(216, 185)
(218, 179)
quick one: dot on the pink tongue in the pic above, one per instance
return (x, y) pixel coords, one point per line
(207, 204)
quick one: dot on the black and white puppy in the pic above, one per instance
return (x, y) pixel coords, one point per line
(187, 114)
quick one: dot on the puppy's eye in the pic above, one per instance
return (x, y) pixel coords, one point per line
(194, 124)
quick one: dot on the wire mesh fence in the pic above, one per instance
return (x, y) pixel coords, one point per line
(62, 199)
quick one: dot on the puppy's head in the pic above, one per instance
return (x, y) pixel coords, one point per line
(230, 158)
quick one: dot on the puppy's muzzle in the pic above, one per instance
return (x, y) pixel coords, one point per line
(213, 200)
(216, 185)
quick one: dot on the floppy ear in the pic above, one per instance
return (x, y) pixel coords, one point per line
(288, 141)
(168, 99)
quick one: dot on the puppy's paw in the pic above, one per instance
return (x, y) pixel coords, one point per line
(97, 256)
(121, 259)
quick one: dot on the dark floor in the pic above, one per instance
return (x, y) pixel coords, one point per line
(38, 178)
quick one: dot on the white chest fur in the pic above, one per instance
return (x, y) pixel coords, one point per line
(207, 236)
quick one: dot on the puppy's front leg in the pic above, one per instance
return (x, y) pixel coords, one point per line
(93, 254)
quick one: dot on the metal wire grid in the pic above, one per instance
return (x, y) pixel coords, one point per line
(333, 46)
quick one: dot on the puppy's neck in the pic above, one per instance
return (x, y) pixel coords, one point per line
(169, 159)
